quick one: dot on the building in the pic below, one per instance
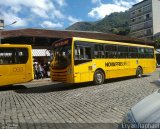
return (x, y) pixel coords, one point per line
(1, 23)
(42, 39)
(145, 19)
(157, 36)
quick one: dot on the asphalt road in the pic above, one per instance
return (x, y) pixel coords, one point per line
(43, 104)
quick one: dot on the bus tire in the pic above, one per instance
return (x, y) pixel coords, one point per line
(98, 77)
(139, 72)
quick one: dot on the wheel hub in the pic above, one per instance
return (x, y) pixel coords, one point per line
(99, 77)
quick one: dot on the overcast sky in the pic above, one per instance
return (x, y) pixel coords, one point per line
(58, 14)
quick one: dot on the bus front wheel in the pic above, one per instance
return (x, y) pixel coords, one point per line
(139, 72)
(98, 77)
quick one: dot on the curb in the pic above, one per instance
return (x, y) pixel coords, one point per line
(39, 80)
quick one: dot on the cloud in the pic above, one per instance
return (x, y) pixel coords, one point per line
(42, 4)
(10, 18)
(73, 20)
(96, 1)
(16, 9)
(124, 3)
(58, 14)
(49, 24)
(40, 12)
(61, 2)
(40, 8)
(136, 1)
(105, 9)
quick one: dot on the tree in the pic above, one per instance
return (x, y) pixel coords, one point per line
(114, 31)
(157, 43)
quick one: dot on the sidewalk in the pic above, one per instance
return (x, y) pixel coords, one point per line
(158, 70)
(38, 82)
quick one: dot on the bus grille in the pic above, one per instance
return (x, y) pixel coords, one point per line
(59, 76)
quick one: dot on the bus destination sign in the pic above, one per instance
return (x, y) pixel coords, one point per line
(62, 43)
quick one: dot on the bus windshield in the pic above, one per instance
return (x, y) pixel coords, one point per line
(62, 55)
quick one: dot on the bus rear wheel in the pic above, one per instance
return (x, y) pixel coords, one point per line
(139, 72)
(98, 77)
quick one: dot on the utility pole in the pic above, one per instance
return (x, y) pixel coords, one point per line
(2, 26)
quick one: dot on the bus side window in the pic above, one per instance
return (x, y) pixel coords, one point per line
(76, 51)
(111, 51)
(149, 52)
(99, 51)
(141, 53)
(122, 51)
(82, 53)
(22, 55)
(87, 53)
(7, 55)
(133, 52)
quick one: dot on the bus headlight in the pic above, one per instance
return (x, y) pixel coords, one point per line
(69, 71)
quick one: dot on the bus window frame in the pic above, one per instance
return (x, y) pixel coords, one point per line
(111, 52)
(83, 45)
(15, 58)
(119, 52)
(99, 54)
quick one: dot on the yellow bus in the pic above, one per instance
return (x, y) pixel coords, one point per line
(16, 64)
(79, 60)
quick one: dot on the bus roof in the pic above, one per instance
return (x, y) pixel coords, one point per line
(14, 45)
(112, 42)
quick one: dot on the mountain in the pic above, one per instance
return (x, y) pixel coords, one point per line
(115, 23)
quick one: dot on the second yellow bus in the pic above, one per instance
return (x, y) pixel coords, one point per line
(79, 60)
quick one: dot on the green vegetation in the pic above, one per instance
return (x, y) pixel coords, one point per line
(115, 23)
(157, 43)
